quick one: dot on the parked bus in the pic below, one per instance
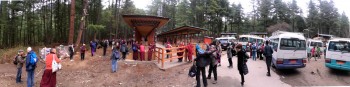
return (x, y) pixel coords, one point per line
(311, 43)
(245, 39)
(289, 50)
(338, 54)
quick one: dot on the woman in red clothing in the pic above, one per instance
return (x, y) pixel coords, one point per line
(189, 49)
(142, 52)
(151, 48)
(180, 53)
(49, 77)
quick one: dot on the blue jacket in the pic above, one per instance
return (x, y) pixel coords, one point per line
(29, 66)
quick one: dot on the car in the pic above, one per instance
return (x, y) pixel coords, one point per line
(225, 41)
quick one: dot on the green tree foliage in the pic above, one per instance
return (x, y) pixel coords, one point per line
(344, 25)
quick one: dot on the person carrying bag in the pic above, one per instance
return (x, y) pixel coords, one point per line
(52, 66)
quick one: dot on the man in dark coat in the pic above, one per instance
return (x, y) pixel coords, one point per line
(268, 54)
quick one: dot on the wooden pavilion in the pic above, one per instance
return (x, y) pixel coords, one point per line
(184, 34)
(145, 26)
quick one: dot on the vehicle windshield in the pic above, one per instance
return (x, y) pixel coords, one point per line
(292, 44)
(319, 44)
(223, 40)
(339, 46)
(243, 39)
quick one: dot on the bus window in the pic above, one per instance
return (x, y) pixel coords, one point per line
(243, 39)
(339, 46)
(292, 44)
(319, 44)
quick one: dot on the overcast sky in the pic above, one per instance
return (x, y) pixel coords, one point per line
(342, 5)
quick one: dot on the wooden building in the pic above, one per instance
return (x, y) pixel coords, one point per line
(184, 34)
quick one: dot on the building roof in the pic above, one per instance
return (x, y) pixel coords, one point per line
(145, 24)
(258, 33)
(183, 30)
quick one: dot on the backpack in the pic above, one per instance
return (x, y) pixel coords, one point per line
(134, 48)
(15, 60)
(33, 59)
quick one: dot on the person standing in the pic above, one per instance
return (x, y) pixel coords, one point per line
(318, 52)
(254, 49)
(242, 59)
(151, 49)
(268, 51)
(135, 51)
(123, 50)
(229, 53)
(30, 66)
(93, 47)
(71, 52)
(142, 52)
(219, 52)
(105, 45)
(214, 62)
(189, 49)
(201, 61)
(49, 77)
(20, 60)
(82, 52)
(115, 57)
(168, 45)
(313, 53)
(180, 53)
(261, 51)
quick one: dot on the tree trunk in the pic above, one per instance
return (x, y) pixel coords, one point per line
(71, 24)
(82, 23)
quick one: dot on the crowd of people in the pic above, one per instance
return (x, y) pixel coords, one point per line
(211, 57)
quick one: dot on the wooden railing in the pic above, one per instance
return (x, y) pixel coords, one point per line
(161, 54)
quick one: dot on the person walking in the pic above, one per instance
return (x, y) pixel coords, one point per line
(151, 49)
(308, 53)
(82, 52)
(201, 61)
(189, 49)
(254, 49)
(242, 59)
(105, 46)
(123, 50)
(135, 48)
(180, 53)
(142, 52)
(268, 51)
(71, 52)
(229, 53)
(115, 57)
(213, 64)
(20, 60)
(31, 61)
(49, 77)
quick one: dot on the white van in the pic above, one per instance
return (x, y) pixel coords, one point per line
(245, 39)
(311, 43)
(289, 50)
(338, 54)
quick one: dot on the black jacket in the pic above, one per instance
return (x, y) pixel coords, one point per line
(203, 60)
(242, 59)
